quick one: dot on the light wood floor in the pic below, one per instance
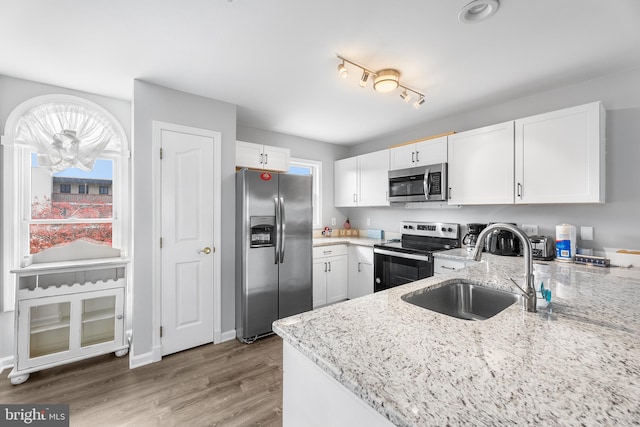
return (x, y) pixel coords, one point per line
(229, 384)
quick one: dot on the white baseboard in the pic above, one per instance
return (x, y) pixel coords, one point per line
(135, 361)
(228, 335)
(6, 362)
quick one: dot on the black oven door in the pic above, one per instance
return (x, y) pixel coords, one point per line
(392, 268)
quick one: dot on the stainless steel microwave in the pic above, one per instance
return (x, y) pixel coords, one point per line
(419, 184)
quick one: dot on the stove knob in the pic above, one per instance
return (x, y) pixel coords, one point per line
(443, 229)
(449, 229)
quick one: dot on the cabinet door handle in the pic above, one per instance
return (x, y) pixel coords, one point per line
(413, 157)
(359, 267)
(355, 198)
(266, 159)
(261, 158)
(450, 192)
(520, 190)
(417, 159)
(448, 268)
(325, 267)
(329, 265)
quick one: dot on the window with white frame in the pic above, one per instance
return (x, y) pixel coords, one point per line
(60, 151)
(313, 168)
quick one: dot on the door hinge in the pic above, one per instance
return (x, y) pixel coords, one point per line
(161, 243)
(160, 153)
(160, 331)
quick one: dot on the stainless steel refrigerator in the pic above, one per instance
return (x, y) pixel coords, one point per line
(273, 250)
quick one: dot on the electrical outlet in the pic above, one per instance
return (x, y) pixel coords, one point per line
(333, 221)
(586, 233)
(368, 222)
(530, 229)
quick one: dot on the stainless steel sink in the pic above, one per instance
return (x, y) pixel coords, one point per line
(463, 299)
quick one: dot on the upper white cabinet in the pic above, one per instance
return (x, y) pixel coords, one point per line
(426, 152)
(481, 170)
(560, 156)
(257, 156)
(362, 180)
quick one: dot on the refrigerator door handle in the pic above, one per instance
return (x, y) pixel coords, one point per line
(283, 229)
(278, 229)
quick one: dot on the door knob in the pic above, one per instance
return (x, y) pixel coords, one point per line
(206, 250)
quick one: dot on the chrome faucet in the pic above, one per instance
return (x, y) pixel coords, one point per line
(529, 291)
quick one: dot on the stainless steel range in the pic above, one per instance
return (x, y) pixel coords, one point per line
(398, 262)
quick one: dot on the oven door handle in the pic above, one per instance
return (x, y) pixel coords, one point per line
(402, 255)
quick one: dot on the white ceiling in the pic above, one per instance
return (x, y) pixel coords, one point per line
(276, 59)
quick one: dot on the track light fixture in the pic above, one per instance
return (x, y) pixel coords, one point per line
(386, 80)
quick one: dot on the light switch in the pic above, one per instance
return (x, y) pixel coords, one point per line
(333, 221)
(586, 233)
(530, 229)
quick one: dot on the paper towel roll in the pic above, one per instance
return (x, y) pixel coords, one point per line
(565, 242)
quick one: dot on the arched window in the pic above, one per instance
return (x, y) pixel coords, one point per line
(65, 178)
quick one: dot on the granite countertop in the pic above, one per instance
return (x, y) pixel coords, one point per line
(576, 362)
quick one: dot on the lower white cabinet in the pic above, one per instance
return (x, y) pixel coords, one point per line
(68, 310)
(330, 274)
(360, 271)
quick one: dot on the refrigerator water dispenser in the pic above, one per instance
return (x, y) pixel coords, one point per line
(263, 231)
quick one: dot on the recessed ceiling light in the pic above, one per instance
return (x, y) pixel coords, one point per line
(478, 10)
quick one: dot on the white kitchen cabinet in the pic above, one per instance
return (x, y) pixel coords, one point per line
(257, 156)
(481, 166)
(360, 271)
(330, 274)
(68, 311)
(421, 153)
(560, 156)
(345, 173)
(362, 180)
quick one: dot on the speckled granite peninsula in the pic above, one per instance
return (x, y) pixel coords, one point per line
(575, 363)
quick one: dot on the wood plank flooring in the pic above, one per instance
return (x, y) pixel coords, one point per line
(229, 384)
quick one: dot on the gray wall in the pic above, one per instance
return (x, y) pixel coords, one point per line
(14, 92)
(307, 149)
(615, 222)
(152, 102)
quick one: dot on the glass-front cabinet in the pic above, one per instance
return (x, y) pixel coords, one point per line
(69, 326)
(69, 310)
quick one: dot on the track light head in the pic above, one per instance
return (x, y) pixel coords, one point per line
(364, 79)
(405, 96)
(419, 102)
(342, 70)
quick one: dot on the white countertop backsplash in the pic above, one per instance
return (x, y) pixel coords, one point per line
(574, 363)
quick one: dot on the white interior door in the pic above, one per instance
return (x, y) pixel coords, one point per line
(187, 175)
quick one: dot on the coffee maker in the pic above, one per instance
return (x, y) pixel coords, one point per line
(473, 231)
(502, 242)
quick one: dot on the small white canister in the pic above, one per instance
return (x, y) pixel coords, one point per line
(565, 242)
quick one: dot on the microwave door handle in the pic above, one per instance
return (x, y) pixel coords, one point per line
(278, 231)
(426, 185)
